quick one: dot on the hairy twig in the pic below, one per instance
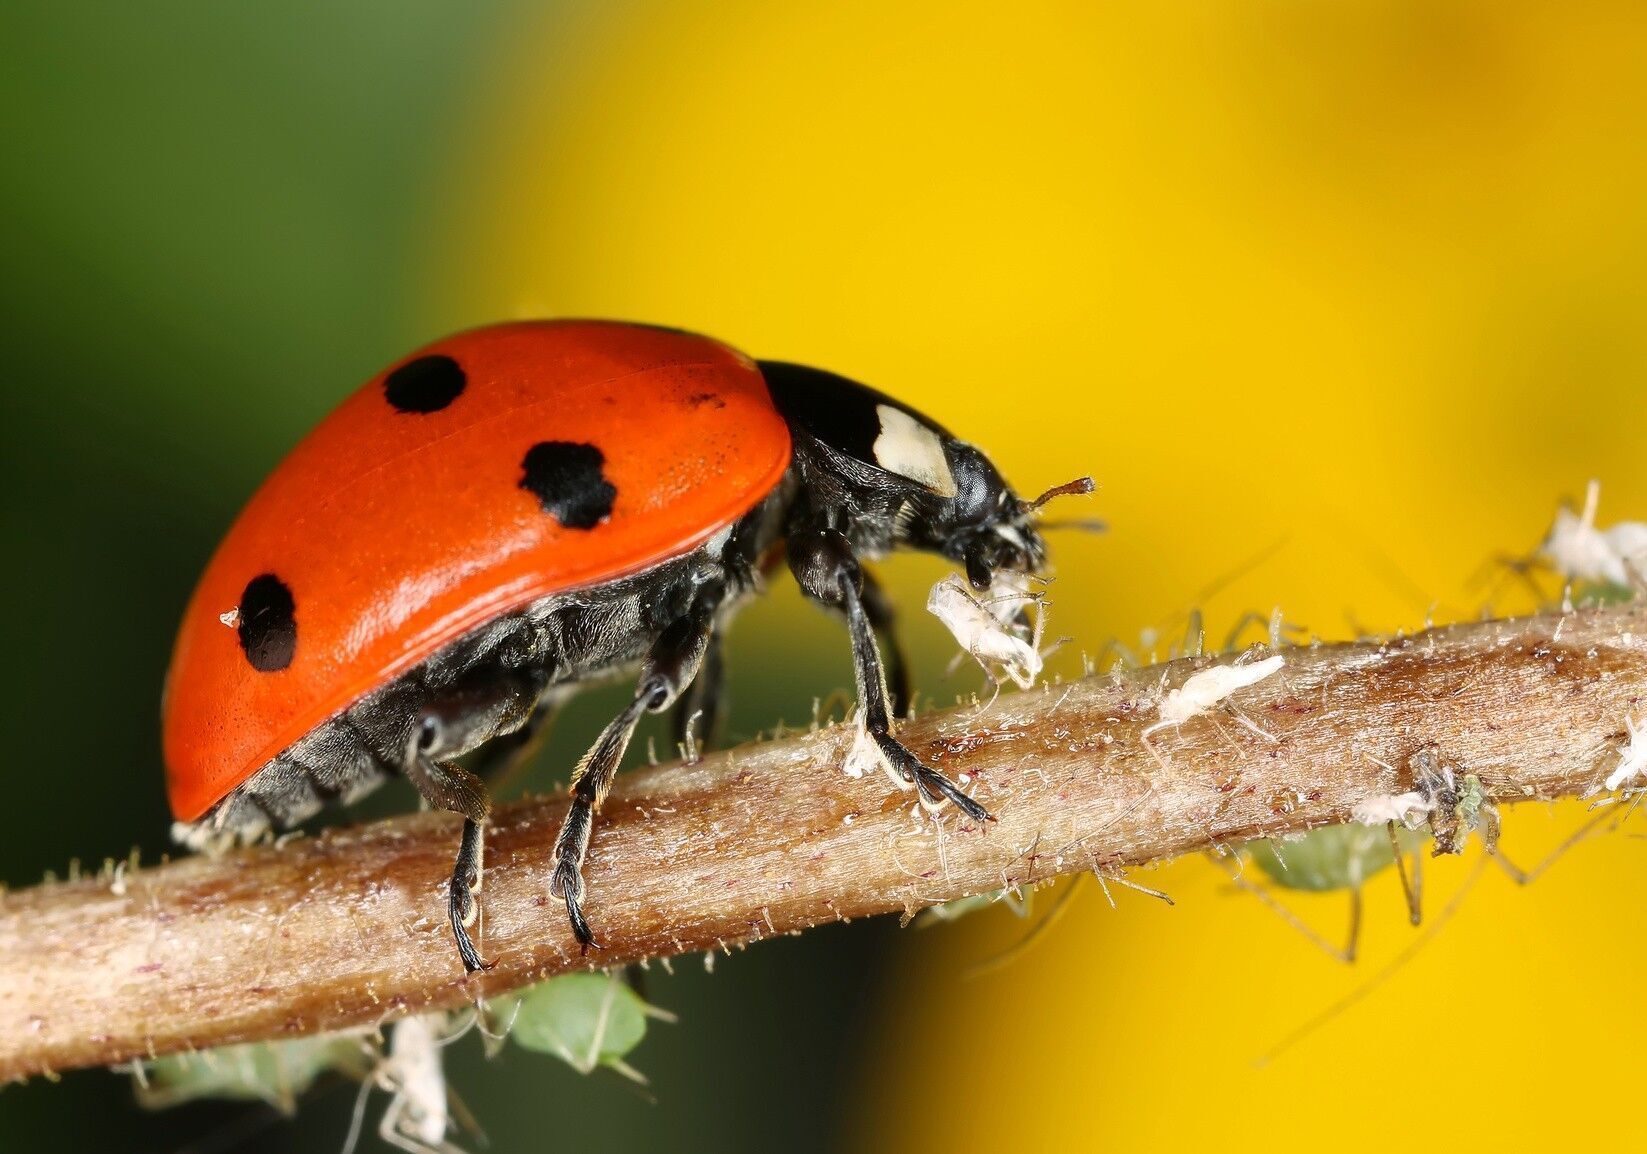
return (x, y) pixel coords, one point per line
(347, 928)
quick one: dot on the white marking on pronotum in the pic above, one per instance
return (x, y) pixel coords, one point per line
(231, 618)
(1632, 762)
(910, 449)
(1202, 691)
(986, 629)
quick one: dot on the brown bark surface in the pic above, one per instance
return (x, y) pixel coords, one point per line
(348, 928)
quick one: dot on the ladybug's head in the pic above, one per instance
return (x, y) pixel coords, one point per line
(986, 526)
(900, 479)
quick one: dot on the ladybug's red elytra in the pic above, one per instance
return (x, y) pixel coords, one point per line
(516, 509)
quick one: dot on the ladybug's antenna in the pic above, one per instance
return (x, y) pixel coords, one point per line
(1078, 487)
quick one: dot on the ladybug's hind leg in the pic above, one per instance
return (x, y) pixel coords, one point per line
(673, 662)
(827, 569)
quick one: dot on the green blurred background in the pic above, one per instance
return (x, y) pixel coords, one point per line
(1354, 289)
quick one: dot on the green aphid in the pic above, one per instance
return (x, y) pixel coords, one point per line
(1601, 595)
(272, 1072)
(1334, 857)
(585, 1020)
(1016, 900)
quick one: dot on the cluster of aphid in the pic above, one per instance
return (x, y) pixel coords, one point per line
(588, 1021)
(1606, 566)
(1446, 803)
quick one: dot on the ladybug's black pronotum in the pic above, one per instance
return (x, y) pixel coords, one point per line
(511, 511)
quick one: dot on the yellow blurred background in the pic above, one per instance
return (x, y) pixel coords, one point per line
(1360, 282)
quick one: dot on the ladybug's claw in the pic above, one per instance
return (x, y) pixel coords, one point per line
(933, 787)
(462, 910)
(568, 885)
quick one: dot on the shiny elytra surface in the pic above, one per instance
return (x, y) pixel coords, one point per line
(397, 532)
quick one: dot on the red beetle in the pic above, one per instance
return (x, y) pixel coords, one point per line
(514, 510)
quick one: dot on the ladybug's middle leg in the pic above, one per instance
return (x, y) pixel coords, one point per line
(670, 666)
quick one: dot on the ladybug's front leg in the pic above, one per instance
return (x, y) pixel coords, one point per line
(883, 618)
(827, 569)
(670, 667)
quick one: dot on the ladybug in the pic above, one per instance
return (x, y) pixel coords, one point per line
(515, 511)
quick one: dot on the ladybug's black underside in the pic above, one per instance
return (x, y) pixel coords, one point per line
(867, 476)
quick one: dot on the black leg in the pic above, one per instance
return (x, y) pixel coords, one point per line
(827, 570)
(882, 617)
(669, 668)
(702, 699)
(460, 906)
(454, 788)
(488, 707)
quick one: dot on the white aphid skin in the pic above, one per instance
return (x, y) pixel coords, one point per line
(1201, 691)
(418, 1116)
(1404, 808)
(1629, 542)
(1632, 762)
(1581, 552)
(866, 755)
(985, 629)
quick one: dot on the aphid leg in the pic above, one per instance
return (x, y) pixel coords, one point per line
(1489, 838)
(1121, 879)
(1406, 955)
(827, 571)
(702, 700)
(399, 1128)
(1346, 953)
(1412, 887)
(882, 617)
(1060, 903)
(673, 662)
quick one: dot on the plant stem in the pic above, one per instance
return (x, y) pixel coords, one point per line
(348, 928)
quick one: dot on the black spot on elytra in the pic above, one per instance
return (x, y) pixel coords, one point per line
(566, 478)
(267, 626)
(425, 385)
